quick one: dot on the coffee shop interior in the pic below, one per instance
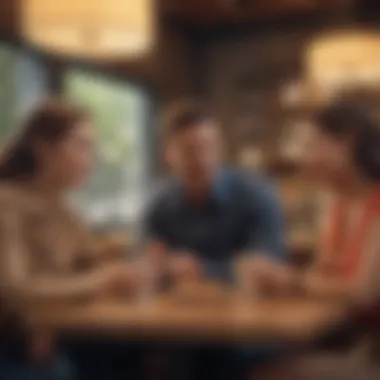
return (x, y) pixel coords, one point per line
(253, 74)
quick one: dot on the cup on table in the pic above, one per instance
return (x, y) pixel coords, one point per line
(149, 276)
(245, 276)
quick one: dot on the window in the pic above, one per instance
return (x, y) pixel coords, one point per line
(117, 190)
(22, 84)
(116, 193)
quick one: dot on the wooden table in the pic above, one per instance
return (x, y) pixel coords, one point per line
(238, 320)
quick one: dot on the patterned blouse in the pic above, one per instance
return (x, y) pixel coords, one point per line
(351, 245)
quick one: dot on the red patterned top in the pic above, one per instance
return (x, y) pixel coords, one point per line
(343, 252)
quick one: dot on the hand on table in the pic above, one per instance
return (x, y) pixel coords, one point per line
(327, 286)
(185, 267)
(157, 253)
(266, 275)
(120, 277)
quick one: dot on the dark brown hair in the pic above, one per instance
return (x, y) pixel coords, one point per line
(183, 115)
(352, 120)
(50, 122)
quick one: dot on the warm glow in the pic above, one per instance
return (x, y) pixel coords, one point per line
(344, 59)
(93, 29)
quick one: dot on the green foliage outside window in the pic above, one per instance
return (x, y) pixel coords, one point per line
(117, 110)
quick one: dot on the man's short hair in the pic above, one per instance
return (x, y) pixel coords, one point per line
(183, 115)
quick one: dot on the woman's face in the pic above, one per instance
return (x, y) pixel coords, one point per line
(324, 158)
(70, 159)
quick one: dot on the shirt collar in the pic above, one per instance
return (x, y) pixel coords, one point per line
(218, 196)
(220, 188)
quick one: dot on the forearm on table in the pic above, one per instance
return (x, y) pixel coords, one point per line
(95, 257)
(53, 287)
(330, 286)
(339, 289)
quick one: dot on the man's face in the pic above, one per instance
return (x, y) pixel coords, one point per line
(195, 152)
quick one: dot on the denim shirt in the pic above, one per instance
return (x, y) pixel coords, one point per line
(241, 214)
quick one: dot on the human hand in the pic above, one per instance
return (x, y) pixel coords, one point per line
(185, 267)
(264, 275)
(157, 253)
(322, 286)
(120, 277)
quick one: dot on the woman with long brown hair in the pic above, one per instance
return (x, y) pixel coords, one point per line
(46, 251)
(342, 158)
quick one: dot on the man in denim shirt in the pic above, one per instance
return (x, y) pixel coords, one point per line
(206, 215)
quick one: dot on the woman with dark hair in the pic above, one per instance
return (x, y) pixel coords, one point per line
(345, 157)
(46, 251)
(342, 157)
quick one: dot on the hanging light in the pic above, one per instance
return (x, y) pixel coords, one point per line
(91, 29)
(344, 59)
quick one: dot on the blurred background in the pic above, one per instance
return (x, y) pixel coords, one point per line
(260, 66)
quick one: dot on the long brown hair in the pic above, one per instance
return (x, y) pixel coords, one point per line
(50, 122)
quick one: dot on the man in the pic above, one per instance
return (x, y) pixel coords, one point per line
(206, 214)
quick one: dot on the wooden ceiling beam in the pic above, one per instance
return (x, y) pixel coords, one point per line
(8, 16)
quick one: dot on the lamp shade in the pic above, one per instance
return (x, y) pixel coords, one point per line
(345, 58)
(90, 29)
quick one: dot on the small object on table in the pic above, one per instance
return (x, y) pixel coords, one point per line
(113, 246)
(200, 292)
(149, 277)
(245, 267)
